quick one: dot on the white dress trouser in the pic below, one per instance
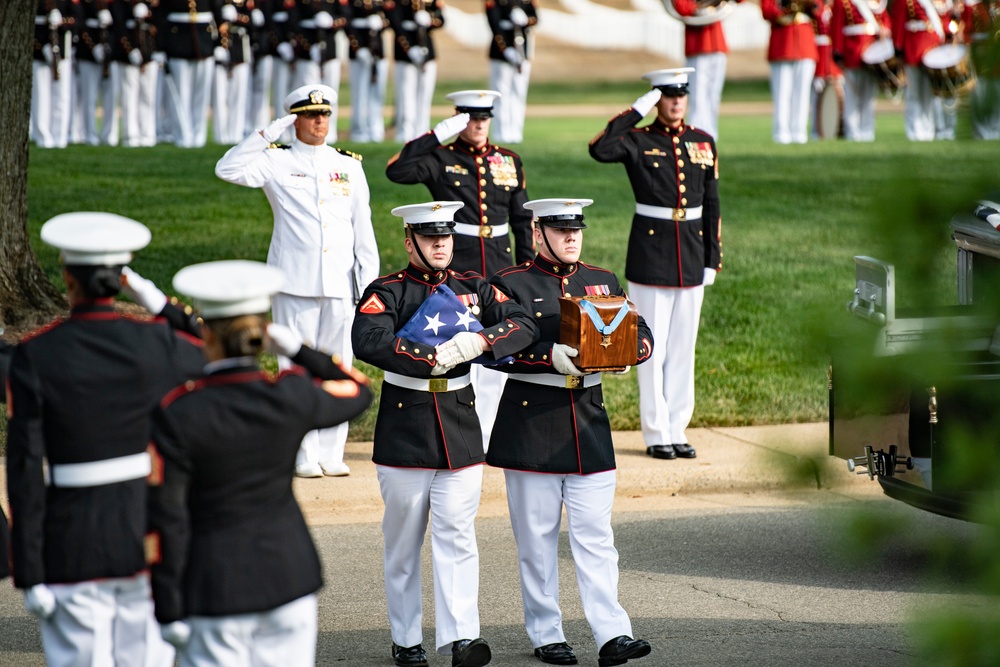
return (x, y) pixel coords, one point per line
(307, 73)
(666, 381)
(94, 90)
(51, 100)
(259, 104)
(535, 501)
(414, 90)
(705, 86)
(510, 109)
(105, 623)
(985, 98)
(324, 324)
(281, 85)
(138, 97)
(791, 84)
(189, 90)
(488, 384)
(368, 100)
(927, 117)
(451, 499)
(230, 95)
(281, 637)
(860, 89)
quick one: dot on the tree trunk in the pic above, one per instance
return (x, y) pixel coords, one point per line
(26, 294)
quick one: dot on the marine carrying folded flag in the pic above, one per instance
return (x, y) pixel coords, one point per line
(442, 315)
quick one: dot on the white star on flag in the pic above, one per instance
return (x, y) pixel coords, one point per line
(434, 323)
(464, 319)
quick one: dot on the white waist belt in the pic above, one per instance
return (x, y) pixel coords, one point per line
(486, 231)
(917, 26)
(307, 23)
(561, 381)
(93, 23)
(433, 385)
(280, 17)
(823, 40)
(360, 23)
(409, 25)
(860, 29)
(98, 473)
(188, 17)
(664, 213)
(41, 20)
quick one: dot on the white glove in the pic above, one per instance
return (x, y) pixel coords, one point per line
(135, 57)
(422, 18)
(177, 634)
(441, 369)
(286, 51)
(451, 127)
(221, 55)
(140, 12)
(646, 103)
(104, 18)
(623, 371)
(561, 355)
(273, 132)
(316, 54)
(417, 55)
(99, 53)
(39, 600)
(363, 56)
(511, 55)
(375, 22)
(463, 347)
(988, 211)
(518, 17)
(257, 18)
(323, 20)
(818, 85)
(159, 57)
(143, 291)
(47, 53)
(709, 277)
(55, 18)
(282, 340)
(228, 13)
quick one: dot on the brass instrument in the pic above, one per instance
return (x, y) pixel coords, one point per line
(709, 11)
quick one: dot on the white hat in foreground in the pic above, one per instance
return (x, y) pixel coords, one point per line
(94, 238)
(434, 218)
(230, 288)
(560, 213)
(314, 97)
(476, 103)
(669, 80)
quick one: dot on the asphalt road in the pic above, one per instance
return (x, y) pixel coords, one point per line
(714, 579)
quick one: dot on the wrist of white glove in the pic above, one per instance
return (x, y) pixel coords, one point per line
(104, 18)
(518, 17)
(624, 371)
(286, 51)
(462, 348)
(709, 277)
(257, 18)
(135, 57)
(99, 54)
(273, 132)
(561, 355)
(451, 127)
(440, 368)
(140, 12)
(55, 18)
(159, 57)
(228, 13)
(282, 340)
(143, 291)
(177, 634)
(221, 55)
(646, 103)
(363, 55)
(417, 55)
(40, 601)
(323, 20)
(422, 18)
(316, 54)
(375, 22)
(511, 55)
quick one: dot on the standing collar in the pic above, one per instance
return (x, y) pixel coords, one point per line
(425, 276)
(231, 365)
(469, 148)
(307, 149)
(673, 131)
(555, 268)
(93, 306)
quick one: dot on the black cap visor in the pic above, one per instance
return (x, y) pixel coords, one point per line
(562, 221)
(438, 228)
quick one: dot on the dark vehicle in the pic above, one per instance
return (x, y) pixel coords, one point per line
(911, 388)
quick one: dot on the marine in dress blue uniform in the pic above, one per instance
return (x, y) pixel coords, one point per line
(553, 440)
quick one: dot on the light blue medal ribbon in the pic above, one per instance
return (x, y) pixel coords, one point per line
(595, 317)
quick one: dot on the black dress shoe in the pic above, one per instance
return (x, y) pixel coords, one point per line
(470, 653)
(621, 649)
(661, 451)
(409, 656)
(556, 654)
(684, 451)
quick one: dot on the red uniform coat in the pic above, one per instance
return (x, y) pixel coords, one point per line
(791, 33)
(849, 47)
(701, 39)
(914, 42)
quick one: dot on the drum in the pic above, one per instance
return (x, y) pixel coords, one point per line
(880, 59)
(949, 69)
(829, 111)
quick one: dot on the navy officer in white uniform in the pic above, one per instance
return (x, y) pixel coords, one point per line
(323, 239)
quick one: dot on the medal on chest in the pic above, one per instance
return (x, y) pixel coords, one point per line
(340, 183)
(700, 152)
(502, 170)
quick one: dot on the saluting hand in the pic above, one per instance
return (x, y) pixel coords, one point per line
(451, 127)
(273, 132)
(282, 340)
(143, 291)
(646, 103)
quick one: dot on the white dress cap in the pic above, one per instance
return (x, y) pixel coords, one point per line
(230, 288)
(547, 208)
(668, 77)
(474, 101)
(416, 215)
(313, 97)
(95, 239)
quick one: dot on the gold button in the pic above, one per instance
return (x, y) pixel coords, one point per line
(651, 232)
(507, 188)
(399, 275)
(490, 336)
(482, 194)
(524, 404)
(483, 206)
(682, 176)
(399, 405)
(403, 348)
(426, 277)
(484, 218)
(538, 314)
(500, 329)
(479, 160)
(482, 170)
(700, 233)
(567, 294)
(545, 357)
(684, 201)
(677, 150)
(321, 202)
(680, 163)
(531, 356)
(430, 356)
(457, 184)
(324, 249)
(677, 140)
(482, 181)
(565, 281)
(556, 269)
(416, 350)
(682, 187)
(656, 164)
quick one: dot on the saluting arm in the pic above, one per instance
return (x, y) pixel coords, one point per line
(520, 222)
(246, 163)
(611, 144)
(414, 163)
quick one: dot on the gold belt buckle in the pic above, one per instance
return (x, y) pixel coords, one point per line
(437, 385)
(573, 381)
(679, 214)
(486, 231)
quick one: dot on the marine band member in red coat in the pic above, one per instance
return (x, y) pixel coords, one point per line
(553, 440)
(674, 248)
(792, 53)
(854, 26)
(982, 24)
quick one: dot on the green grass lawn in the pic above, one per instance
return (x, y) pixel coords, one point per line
(793, 217)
